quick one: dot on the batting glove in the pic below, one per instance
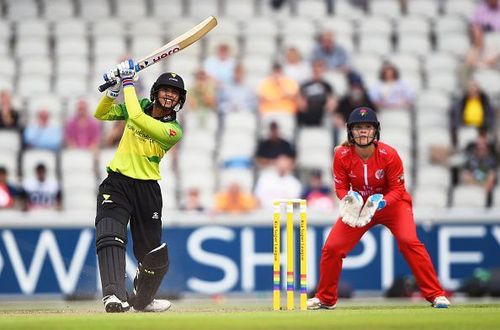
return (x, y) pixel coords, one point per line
(126, 71)
(114, 90)
(373, 203)
(350, 207)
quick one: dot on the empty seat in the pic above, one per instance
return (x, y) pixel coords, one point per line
(367, 62)
(433, 99)
(30, 85)
(38, 65)
(260, 26)
(459, 7)
(75, 65)
(456, 44)
(31, 46)
(298, 26)
(79, 201)
(466, 196)
(204, 8)
(286, 123)
(386, 8)
(312, 8)
(239, 8)
(450, 24)
(375, 26)
(10, 141)
(375, 44)
(18, 10)
(443, 81)
(237, 150)
(415, 44)
(440, 61)
(432, 176)
(406, 62)
(8, 159)
(71, 84)
(70, 28)
(244, 122)
(413, 25)
(175, 8)
(430, 197)
(125, 7)
(71, 46)
(109, 46)
(489, 80)
(77, 160)
(93, 10)
(426, 8)
(108, 28)
(55, 10)
(244, 177)
(32, 28)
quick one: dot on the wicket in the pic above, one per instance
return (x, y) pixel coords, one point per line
(290, 265)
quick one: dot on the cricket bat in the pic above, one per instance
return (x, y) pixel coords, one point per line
(171, 48)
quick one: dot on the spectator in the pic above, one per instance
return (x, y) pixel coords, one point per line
(277, 182)
(486, 18)
(318, 195)
(234, 200)
(472, 109)
(294, 66)
(221, 65)
(391, 92)
(315, 98)
(480, 165)
(481, 55)
(202, 96)
(334, 55)
(41, 192)
(82, 131)
(9, 117)
(356, 97)
(277, 93)
(192, 201)
(8, 192)
(42, 134)
(237, 95)
(269, 149)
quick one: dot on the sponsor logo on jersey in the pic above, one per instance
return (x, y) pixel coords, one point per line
(351, 174)
(106, 199)
(401, 178)
(172, 132)
(155, 216)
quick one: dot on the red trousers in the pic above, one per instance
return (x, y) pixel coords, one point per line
(343, 238)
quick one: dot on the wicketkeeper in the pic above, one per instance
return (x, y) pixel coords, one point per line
(369, 181)
(131, 192)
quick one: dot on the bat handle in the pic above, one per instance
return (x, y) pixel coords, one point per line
(106, 85)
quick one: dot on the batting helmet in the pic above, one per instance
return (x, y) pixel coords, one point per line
(362, 115)
(169, 79)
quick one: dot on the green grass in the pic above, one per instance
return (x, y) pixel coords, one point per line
(222, 316)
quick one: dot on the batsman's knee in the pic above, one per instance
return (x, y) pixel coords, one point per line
(110, 232)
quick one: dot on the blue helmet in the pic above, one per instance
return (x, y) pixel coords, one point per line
(362, 115)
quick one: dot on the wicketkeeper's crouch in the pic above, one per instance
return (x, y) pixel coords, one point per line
(131, 191)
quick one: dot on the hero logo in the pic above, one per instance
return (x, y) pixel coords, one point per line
(166, 53)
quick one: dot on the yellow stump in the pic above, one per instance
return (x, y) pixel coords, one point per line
(303, 255)
(290, 272)
(276, 254)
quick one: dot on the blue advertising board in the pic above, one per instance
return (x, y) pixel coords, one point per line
(213, 259)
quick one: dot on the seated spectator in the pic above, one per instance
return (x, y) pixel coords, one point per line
(480, 165)
(391, 92)
(237, 95)
(333, 55)
(318, 195)
(294, 66)
(269, 149)
(481, 55)
(41, 192)
(474, 109)
(355, 97)
(9, 117)
(486, 18)
(192, 201)
(277, 182)
(202, 95)
(82, 131)
(277, 93)
(234, 200)
(220, 66)
(315, 98)
(8, 192)
(41, 134)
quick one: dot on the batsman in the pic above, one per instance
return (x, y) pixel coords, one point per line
(131, 193)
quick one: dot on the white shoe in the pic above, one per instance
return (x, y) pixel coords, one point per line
(315, 303)
(156, 306)
(441, 302)
(114, 305)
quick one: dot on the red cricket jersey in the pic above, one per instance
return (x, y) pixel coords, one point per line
(382, 173)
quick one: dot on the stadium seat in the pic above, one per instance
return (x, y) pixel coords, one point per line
(56, 10)
(148, 28)
(238, 8)
(19, 10)
(71, 46)
(77, 160)
(108, 28)
(456, 44)
(234, 149)
(298, 27)
(432, 99)
(425, 8)
(71, 84)
(337, 80)
(70, 28)
(463, 8)
(125, 7)
(286, 123)
(385, 8)
(33, 28)
(400, 119)
(51, 102)
(367, 62)
(109, 46)
(467, 196)
(450, 24)
(375, 26)
(11, 142)
(489, 80)
(244, 177)
(466, 135)
(143, 44)
(32, 157)
(375, 44)
(105, 156)
(199, 142)
(340, 25)
(38, 65)
(260, 26)
(415, 44)
(244, 122)
(31, 46)
(412, 25)
(202, 9)
(344, 8)
(312, 9)
(94, 10)
(8, 158)
(174, 8)
(79, 201)
(33, 84)
(71, 65)
(436, 198)
(440, 61)
(433, 177)
(443, 81)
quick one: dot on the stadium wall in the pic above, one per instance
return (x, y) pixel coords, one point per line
(215, 255)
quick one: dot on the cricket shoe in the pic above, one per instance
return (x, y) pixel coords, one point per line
(114, 305)
(156, 306)
(315, 303)
(441, 302)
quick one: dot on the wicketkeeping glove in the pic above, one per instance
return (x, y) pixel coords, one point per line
(373, 203)
(350, 207)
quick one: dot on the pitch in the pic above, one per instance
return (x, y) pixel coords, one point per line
(251, 314)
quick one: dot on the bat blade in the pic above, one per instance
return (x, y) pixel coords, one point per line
(171, 48)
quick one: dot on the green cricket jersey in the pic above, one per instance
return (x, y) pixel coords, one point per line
(145, 140)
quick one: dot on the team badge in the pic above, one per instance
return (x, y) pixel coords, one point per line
(379, 174)
(172, 132)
